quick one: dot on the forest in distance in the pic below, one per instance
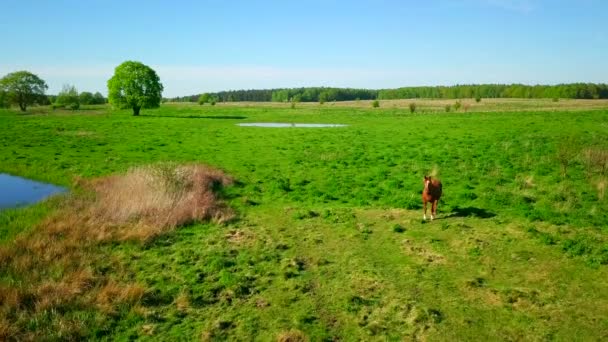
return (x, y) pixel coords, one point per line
(328, 94)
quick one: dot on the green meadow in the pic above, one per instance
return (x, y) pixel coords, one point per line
(328, 242)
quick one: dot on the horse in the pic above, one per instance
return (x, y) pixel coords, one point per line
(431, 193)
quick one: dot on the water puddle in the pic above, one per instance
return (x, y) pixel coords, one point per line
(285, 125)
(16, 191)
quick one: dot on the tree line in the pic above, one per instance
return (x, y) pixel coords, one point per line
(22, 88)
(135, 85)
(567, 91)
(323, 94)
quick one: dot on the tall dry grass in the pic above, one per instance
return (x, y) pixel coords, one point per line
(150, 200)
(55, 268)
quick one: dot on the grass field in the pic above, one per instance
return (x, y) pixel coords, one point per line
(328, 241)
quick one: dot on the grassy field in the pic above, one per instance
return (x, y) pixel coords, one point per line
(328, 241)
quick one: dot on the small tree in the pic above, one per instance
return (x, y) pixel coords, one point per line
(412, 107)
(376, 104)
(67, 98)
(23, 88)
(204, 98)
(324, 96)
(477, 98)
(457, 105)
(98, 98)
(86, 98)
(448, 108)
(134, 85)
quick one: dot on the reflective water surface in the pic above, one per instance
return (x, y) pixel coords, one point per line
(16, 191)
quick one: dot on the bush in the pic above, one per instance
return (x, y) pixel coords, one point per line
(86, 98)
(448, 108)
(412, 107)
(204, 98)
(457, 105)
(477, 98)
(397, 228)
(555, 99)
(67, 98)
(376, 104)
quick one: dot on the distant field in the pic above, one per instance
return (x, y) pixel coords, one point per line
(434, 105)
(328, 242)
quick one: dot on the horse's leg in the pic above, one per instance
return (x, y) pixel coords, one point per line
(424, 217)
(434, 210)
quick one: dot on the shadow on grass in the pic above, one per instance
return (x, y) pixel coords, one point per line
(471, 212)
(224, 117)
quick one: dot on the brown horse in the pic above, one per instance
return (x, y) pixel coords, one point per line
(431, 193)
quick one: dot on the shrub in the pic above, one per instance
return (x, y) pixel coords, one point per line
(397, 228)
(204, 98)
(477, 98)
(448, 108)
(67, 98)
(555, 99)
(457, 105)
(412, 107)
(376, 104)
(86, 98)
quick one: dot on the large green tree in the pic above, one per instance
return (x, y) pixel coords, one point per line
(86, 98)
(23, 88)
(98, 98)
(134, 85)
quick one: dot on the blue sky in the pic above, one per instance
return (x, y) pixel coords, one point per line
(199, 46)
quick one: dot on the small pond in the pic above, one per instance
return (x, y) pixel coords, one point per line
(284, 125)
(16, 191)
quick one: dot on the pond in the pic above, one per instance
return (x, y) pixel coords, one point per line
(16, 191)
(285, 125)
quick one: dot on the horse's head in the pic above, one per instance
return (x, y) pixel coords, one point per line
(427, 180)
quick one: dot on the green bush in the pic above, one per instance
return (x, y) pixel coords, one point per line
(204, 98)
(457, 105)
(67, 98)
(412, 107)
(376, 104)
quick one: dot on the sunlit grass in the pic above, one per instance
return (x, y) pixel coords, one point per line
(328, 240)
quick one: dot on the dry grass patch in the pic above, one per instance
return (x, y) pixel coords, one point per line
(54, 268)
(149, 200)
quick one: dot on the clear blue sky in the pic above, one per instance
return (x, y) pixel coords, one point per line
(199, 46)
